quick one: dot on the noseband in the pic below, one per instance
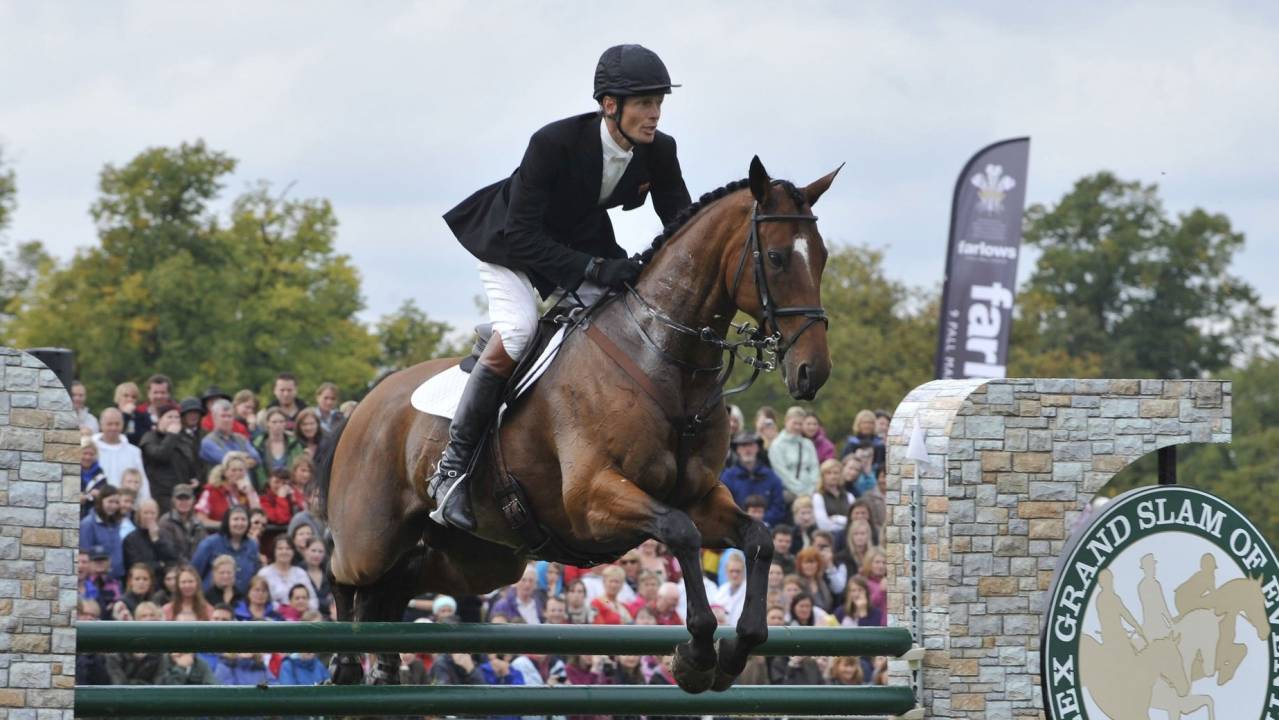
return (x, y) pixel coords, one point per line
(767, 306)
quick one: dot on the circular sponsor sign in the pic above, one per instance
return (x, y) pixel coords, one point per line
(1165, 606)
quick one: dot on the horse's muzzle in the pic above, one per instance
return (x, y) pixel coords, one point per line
(806, 382)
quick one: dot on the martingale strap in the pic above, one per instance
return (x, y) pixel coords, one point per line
(686, 426)
(628, 365)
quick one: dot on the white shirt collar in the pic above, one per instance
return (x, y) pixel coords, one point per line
(612, 151)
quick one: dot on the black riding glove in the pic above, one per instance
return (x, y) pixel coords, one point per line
(613, 273)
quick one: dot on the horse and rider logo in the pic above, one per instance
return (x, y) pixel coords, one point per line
(1165, 606)
(992, 186)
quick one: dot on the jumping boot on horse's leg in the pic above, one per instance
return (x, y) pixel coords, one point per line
(476, 410)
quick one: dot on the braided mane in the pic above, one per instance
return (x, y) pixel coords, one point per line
(688, 213)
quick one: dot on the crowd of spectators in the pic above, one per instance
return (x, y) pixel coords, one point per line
(198, 511)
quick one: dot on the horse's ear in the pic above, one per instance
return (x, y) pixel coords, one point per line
(759, 180)
(818, 187)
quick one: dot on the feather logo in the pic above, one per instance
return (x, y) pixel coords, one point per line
(992, 185)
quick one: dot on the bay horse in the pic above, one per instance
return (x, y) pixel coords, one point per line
(592, 444)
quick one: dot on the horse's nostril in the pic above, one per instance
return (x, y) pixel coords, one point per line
(803, 374)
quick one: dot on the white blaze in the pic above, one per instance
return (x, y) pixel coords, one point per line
(800, 248)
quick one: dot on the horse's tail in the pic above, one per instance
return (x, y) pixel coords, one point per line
(319, 487)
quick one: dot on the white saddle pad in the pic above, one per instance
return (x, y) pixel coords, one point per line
(441, 394)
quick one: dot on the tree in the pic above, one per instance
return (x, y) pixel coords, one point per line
(20, 265)
(173, 289)
(407, 337)
(1121, 284)
(8, 193)
(881, 340)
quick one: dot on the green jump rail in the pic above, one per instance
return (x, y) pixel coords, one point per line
(326, 637)
(418, 700)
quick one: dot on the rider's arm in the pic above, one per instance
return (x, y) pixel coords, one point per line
(529, 245)
(670, 194)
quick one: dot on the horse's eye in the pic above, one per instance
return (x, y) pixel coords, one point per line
(775, 258)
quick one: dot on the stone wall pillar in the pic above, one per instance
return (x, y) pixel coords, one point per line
(1012, 465)
(39, 534)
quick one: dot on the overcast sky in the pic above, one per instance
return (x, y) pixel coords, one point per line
(395, 111)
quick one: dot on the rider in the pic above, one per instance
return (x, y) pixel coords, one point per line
(547, 227)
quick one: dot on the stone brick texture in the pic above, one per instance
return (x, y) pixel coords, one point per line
(39, 509)
(1012, 465)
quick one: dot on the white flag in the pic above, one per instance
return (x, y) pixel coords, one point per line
(916, 450)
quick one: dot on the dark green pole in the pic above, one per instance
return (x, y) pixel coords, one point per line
(483, 638)
(113, 701)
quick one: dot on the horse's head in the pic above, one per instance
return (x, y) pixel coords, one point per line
(1248, 597)
(777, 278)
(1229, 658)
(1165, 659)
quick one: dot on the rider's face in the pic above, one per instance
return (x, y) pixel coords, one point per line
(639, 116)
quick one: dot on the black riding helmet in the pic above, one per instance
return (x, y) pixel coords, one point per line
(627, 70)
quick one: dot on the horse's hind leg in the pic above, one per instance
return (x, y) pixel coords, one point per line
(345, 668)
(723, 524)
(386, 600)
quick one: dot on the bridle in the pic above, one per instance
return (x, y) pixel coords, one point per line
(769, 308)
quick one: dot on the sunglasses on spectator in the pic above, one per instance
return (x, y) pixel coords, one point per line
(630, 562)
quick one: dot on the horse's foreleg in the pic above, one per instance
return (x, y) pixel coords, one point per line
(616, 508)
(723, 524)
(694, 665)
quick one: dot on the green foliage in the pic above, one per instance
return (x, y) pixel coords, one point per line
(8, 193)
(881, 338)
(172, 289)
(1122, 285)
(407, 337)
(21, 264)
(19, 270)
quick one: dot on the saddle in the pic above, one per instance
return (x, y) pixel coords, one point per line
(540, 542)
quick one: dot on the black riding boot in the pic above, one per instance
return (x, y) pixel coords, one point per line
(477, 408)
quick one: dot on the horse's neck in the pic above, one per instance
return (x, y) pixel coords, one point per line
(686, 284)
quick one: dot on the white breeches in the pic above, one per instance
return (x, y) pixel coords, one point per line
(513, 305)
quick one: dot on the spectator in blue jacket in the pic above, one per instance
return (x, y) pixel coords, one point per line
(241, 669)
(749, 477)
(231, 539)
(101, 529)
(302, 669)
(223, 440)
(498, 671)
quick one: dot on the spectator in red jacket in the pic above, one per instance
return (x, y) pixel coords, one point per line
(280, 501)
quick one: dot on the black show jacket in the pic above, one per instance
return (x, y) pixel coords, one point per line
(545, 219)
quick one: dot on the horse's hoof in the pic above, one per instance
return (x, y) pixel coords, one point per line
(726, 676)
(346, 672)
(689, 676)
(381, 676)
(723, 680)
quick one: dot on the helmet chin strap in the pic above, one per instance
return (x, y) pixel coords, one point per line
(617, 120)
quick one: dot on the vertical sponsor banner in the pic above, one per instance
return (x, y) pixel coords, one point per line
(981, 262)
